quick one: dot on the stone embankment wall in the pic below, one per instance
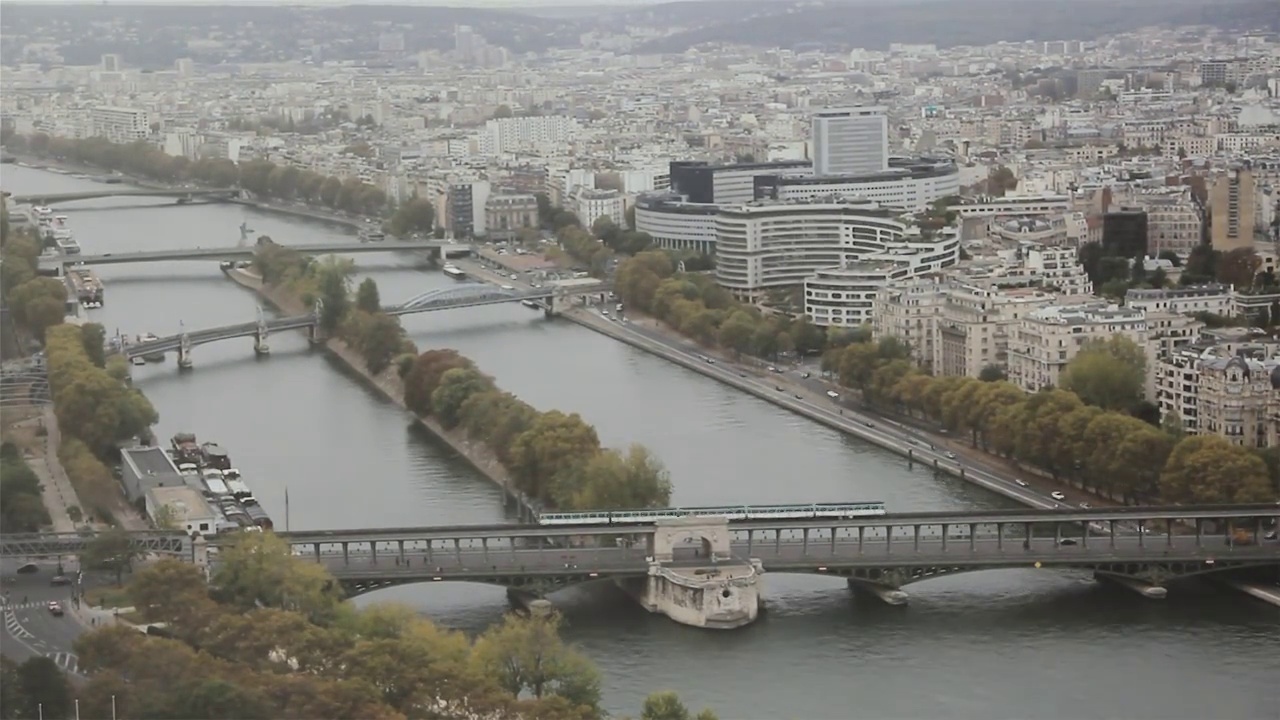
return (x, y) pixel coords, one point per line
(389, 385)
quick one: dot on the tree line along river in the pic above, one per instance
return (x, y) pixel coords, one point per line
(1017, 643)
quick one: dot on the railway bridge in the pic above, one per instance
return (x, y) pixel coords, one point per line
(180, 195)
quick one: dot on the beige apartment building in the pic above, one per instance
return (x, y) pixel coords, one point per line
(1173, 220)
(1227, 386)
(506, 215)
(974, 326)
(1231, 203)
(1043, 341)
(910, 311)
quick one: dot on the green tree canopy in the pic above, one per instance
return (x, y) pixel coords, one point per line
(1109, 374)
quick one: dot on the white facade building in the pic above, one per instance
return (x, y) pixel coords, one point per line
(591, 205)
(1210, 298)
(1045, 340)
(120, 124)
(850, 141)
(504, 135)
(765, 245)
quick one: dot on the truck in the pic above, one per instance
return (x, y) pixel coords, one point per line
(215, 456)
(185, 449)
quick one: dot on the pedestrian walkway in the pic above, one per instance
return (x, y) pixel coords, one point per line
(25, 606)
(65, 660)
(55, 488)
(12, 626)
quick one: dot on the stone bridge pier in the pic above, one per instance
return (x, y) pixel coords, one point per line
(693, 577)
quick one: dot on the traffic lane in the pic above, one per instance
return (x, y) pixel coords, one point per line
(29, 596)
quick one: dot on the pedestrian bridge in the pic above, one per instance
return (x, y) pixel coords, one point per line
(181, 195)
(453, 297)
(246, 252)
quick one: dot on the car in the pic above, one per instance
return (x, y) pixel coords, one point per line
(778, 388)
(711, 361)
(1057, 495)
(1021, 482)
(1066, 541)
(799, 396)
(806, 376)
(833, 394)
(774, 369)
(1270, 536)
(869, 424)
(1085, 506)
(950, 455)
(60, 580)
(55, 608)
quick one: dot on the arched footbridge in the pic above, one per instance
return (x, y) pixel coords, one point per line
(461, 295)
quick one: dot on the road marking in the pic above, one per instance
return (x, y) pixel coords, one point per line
(14, 627)
(65, 660)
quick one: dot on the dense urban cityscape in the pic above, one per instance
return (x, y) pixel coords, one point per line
(582, 331)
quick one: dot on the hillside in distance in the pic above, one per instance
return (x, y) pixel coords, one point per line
(946, 23)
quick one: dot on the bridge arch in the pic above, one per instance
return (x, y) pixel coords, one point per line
(539, 585)
(1156, 573)
(456, 293)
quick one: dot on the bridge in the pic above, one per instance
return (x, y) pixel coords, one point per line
(246, 252)
(461, 295)
(181, 195)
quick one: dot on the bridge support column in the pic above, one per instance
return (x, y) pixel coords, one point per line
(184, 353)
(723, 593)
(1150, 591)
(885, 593)
(346, 556)
(316, 548)
(260, 346)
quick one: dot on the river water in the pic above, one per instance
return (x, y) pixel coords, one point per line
(1003, 644)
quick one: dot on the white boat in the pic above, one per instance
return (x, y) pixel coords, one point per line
(455, 272)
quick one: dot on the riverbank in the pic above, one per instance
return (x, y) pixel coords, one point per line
(263, 205)
(389, 385)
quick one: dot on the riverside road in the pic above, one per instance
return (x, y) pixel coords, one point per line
(280, 418)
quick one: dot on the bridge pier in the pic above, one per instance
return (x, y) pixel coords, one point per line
(885, 593)
(1150, 591)
(722, 594)
(260, 346)
(184, 353)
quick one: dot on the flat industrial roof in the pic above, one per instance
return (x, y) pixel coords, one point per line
(150, 461)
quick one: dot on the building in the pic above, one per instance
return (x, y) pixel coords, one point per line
(506, 215)
(1231, 210)
(590, 205)
(144, 468)
(506, 135)
(1237, 399)
(187, 509)
(120, 124)
(111, 63)
(850, 141)
(675, 224)
(704, 183)
(1174, 221)
(1046, 339)
(974, 324)
(909, 311)
(465, 204)
(1124, 233)
(767, 245)
(1210, 298)
(911, 184)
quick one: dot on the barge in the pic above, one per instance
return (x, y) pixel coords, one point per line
(86, 286)
(151, 357)
(207, 468)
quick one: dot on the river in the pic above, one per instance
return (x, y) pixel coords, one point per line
(1004, 644)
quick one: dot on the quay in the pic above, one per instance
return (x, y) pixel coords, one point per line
(708, 571)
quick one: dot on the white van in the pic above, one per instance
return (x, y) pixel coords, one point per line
(833, 394)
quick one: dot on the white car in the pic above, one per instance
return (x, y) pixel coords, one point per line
(1057, 495)
(1021, 482)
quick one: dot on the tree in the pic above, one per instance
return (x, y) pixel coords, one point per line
(44, 688)
(416, 215)
(367, 298)
(333, 281)
(1238, 267)
(526, 655)
(94, 338)
(173, 592)
(611, 480)
(667, 706)
(992, 373)
(380, 338)
(737, 331)
(422, 380)
(1109, 374)
(1207, 470)
(554, 443)
(113, 549)
(456, 387)
(258, 569)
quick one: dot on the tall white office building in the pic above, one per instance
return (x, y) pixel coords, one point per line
(850, 141)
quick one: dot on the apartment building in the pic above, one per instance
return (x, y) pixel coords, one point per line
(1211, 298)
(910, 310)
(506, 215)
(591, 205)
(974, 326)
(120, 124)
(1224, 386)
(1044, 340)
(850, 141)
(1174, 221)
(1231, 205)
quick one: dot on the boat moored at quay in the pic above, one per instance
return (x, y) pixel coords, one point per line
(207, 468)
